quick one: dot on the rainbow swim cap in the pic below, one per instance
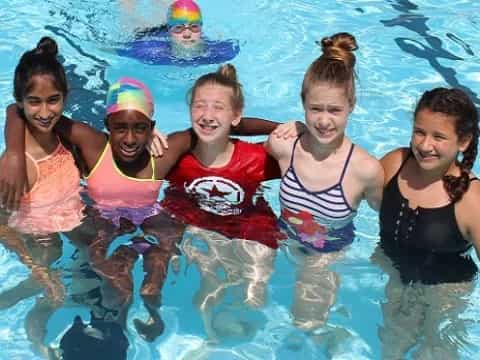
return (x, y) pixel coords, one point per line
(129, 94)
(184, 12)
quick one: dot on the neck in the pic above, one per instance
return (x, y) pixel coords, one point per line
(46, 140)
(318, 150)
(214, 154)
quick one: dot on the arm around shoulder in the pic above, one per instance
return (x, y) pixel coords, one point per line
(179, 143)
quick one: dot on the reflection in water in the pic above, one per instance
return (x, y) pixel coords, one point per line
(113, 251)
(432, 48)
(84, 102)
(241, 267)
(425, 319)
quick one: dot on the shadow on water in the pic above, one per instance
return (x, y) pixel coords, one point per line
(84, 102)
(432, 48)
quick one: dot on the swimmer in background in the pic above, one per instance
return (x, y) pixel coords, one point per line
(180, 41)
(324, 179)
(51, 202)
(428, 227)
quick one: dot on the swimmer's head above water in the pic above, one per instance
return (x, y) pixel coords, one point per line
(184, 22)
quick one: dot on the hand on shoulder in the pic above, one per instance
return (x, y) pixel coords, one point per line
(279, 147)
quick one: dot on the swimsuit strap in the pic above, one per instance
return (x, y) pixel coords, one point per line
(403, 163)
(293, 151)
(346, 163)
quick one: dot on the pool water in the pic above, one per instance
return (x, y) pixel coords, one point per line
(405, 48)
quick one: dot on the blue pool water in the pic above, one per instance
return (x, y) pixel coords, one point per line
(406, 47)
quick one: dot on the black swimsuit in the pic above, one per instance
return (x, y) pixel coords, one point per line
(425, 244)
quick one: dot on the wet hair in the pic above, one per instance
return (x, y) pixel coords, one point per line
(40, 61)
(455, 103)
(335, 66)
(226, 75)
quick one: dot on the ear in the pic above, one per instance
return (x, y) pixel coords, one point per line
(237, 119)
(464, 143)
(19, 104)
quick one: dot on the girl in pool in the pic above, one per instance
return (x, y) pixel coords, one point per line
(214, 188)
(428, 224)
(324, 178)
(52, 202)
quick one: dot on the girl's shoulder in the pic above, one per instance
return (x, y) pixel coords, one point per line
(365, 166)
(392, 161)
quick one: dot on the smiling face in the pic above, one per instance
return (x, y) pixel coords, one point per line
(212, 113)
(435, 143)
(43, 104)
(326, 112)
(130, 131)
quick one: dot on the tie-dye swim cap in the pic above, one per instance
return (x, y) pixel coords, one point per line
(184, 12)
(129, 94)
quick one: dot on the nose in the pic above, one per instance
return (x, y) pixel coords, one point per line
(426, 144)
(187, 33)
(129, 138)
(44, 112)
(323, 120)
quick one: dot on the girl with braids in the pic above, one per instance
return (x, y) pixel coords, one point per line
(428, 223)
(324, 178)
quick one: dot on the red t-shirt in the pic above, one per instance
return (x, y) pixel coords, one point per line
(226, 199)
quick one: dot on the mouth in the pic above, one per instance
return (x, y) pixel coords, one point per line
(129, 152)
(325, 133)
(45, 123)
(426, 156)
(207, 128)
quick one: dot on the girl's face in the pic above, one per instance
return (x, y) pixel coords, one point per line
(212, 114)
(130, 131)
(326, 112)
(434, 142)
(187, 35)
(43, 104)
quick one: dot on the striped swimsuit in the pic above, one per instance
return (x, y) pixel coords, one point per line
(318, 219)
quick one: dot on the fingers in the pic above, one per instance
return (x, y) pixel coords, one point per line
(156, 147)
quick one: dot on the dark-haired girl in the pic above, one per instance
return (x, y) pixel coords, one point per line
(52, 202)
(429, 222)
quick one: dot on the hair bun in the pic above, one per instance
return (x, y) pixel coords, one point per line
(47, 46)
(340, 47)
(228, 71)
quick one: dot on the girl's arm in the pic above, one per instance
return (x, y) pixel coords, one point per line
(250, 126)
(13, 174)
(179, 143)
(90, 141)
